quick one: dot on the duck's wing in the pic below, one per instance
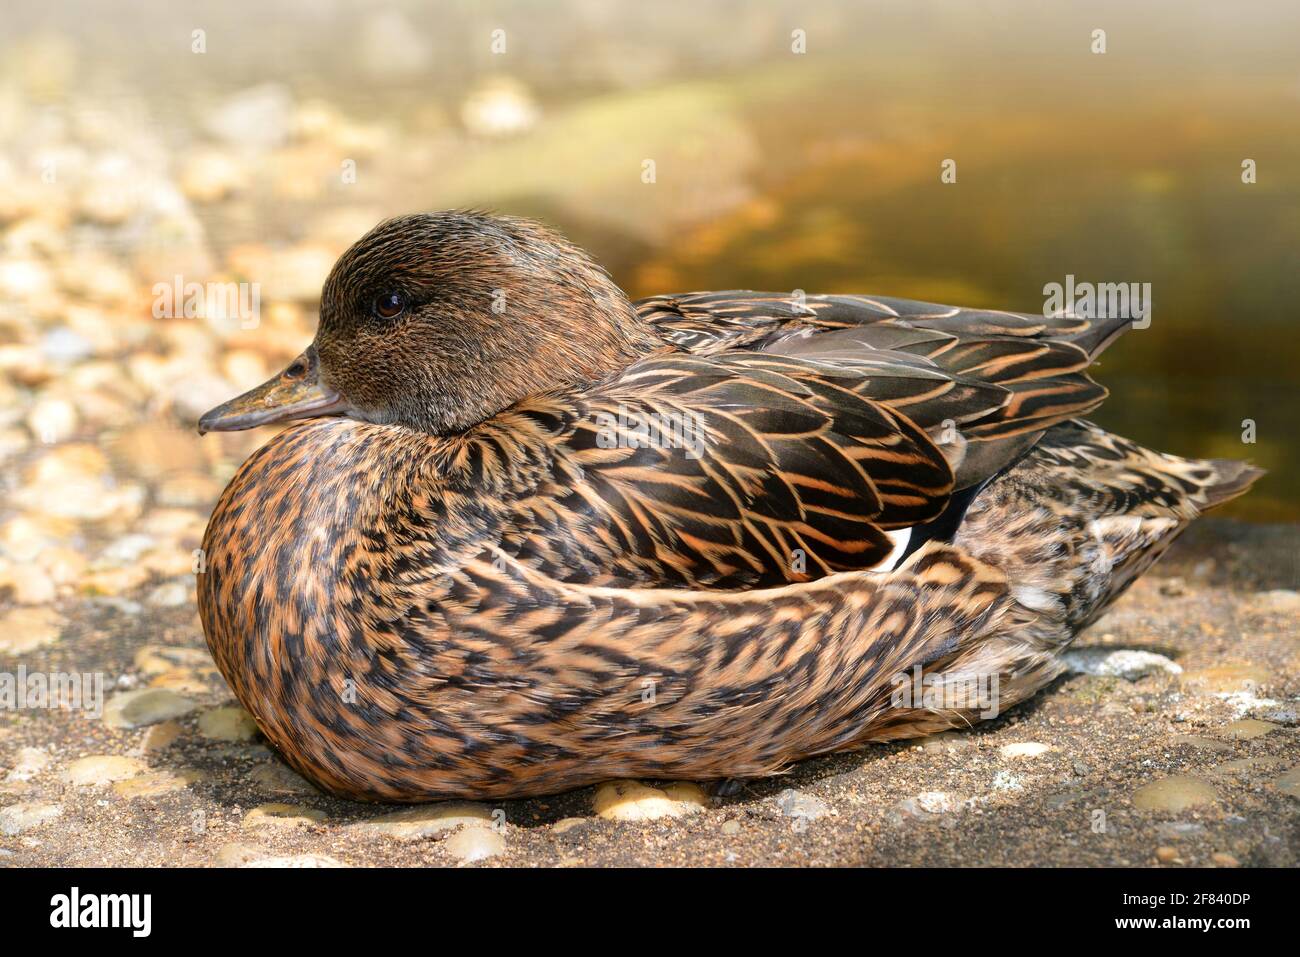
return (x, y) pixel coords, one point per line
(745, 468)
(708, 322)
(1039, 362)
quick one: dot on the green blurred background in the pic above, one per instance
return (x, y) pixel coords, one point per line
(774, 170)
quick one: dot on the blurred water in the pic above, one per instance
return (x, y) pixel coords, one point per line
(773, 169)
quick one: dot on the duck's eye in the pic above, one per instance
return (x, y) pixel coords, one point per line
(389, 305)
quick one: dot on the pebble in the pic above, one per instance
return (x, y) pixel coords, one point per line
(227, 724)
(475, 843)
(1024, 749)
(52, 420)
(1177, 793)
(417, 823)
(1125, 663)
(1227, 678)
(792, 803)
(26, 629)
(1222, 859)
(1168, 855)
(157, 783)
(156, 659)
(283, 816)
(160, 737)
(1280, 601)
(171, 594)
(136, 709)
(945, 741)
(99, 769)
(1006, 781)
(29, 583)
(634, 801)
(731, 828)
(236, 854)
(1248, 728)
(928, 805)
(17, 818)
(1179, 830)
(567, 824)
(28, 763)
(1289, 783)
(275, 778)
(184, 682)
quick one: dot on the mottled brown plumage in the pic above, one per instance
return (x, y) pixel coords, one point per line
(544, 537)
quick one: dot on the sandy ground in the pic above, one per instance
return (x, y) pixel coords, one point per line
(1059, 781)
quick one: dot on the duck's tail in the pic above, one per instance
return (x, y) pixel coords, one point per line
(1071, 526)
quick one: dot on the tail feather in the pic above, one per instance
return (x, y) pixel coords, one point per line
(1068, 529)
(1231, 479)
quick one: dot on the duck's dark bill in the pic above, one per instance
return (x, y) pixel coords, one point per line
(295, 393)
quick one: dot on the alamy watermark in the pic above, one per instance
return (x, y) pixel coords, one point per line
(212, 300)
(1105, 300)
(636, 429)
(71, 691)
(947, 691)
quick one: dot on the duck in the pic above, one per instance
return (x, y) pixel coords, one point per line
(519, 535)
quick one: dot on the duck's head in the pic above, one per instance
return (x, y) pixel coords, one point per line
(437, 321)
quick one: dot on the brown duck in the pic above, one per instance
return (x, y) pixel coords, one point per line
(533, 536)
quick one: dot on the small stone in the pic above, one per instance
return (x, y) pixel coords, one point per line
(1024, 749)
(17, 818)
(30, 584)
(136, 709)
(1179, 830)
(792, 803)
(169, 595)
(210, 176)
(283, 816)
(184, 682)
(1248, 728)
(161, 736)
(99, 769)
(156, 659)
(1167, 855)
(1246, 767)
(634, 801)
(1280, 601)
(567, 824)
(1177, 793)
(927, 805)
(1289, 783)
(1125, 663)
(28, 763)
(1006, 781)
(26, 629)
(228, 724)
(1222, 859)
(731, 828)
(236, 854)
(294, 861)
(276, 778)
(1227, 678)
(1173, 588)
(157, 783)
(52, 420)
(475, 843)
(945, 741)
(417, 823)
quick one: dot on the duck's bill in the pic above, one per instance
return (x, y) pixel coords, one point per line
(296, 393)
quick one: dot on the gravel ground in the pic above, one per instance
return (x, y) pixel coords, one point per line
(1196, 762)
